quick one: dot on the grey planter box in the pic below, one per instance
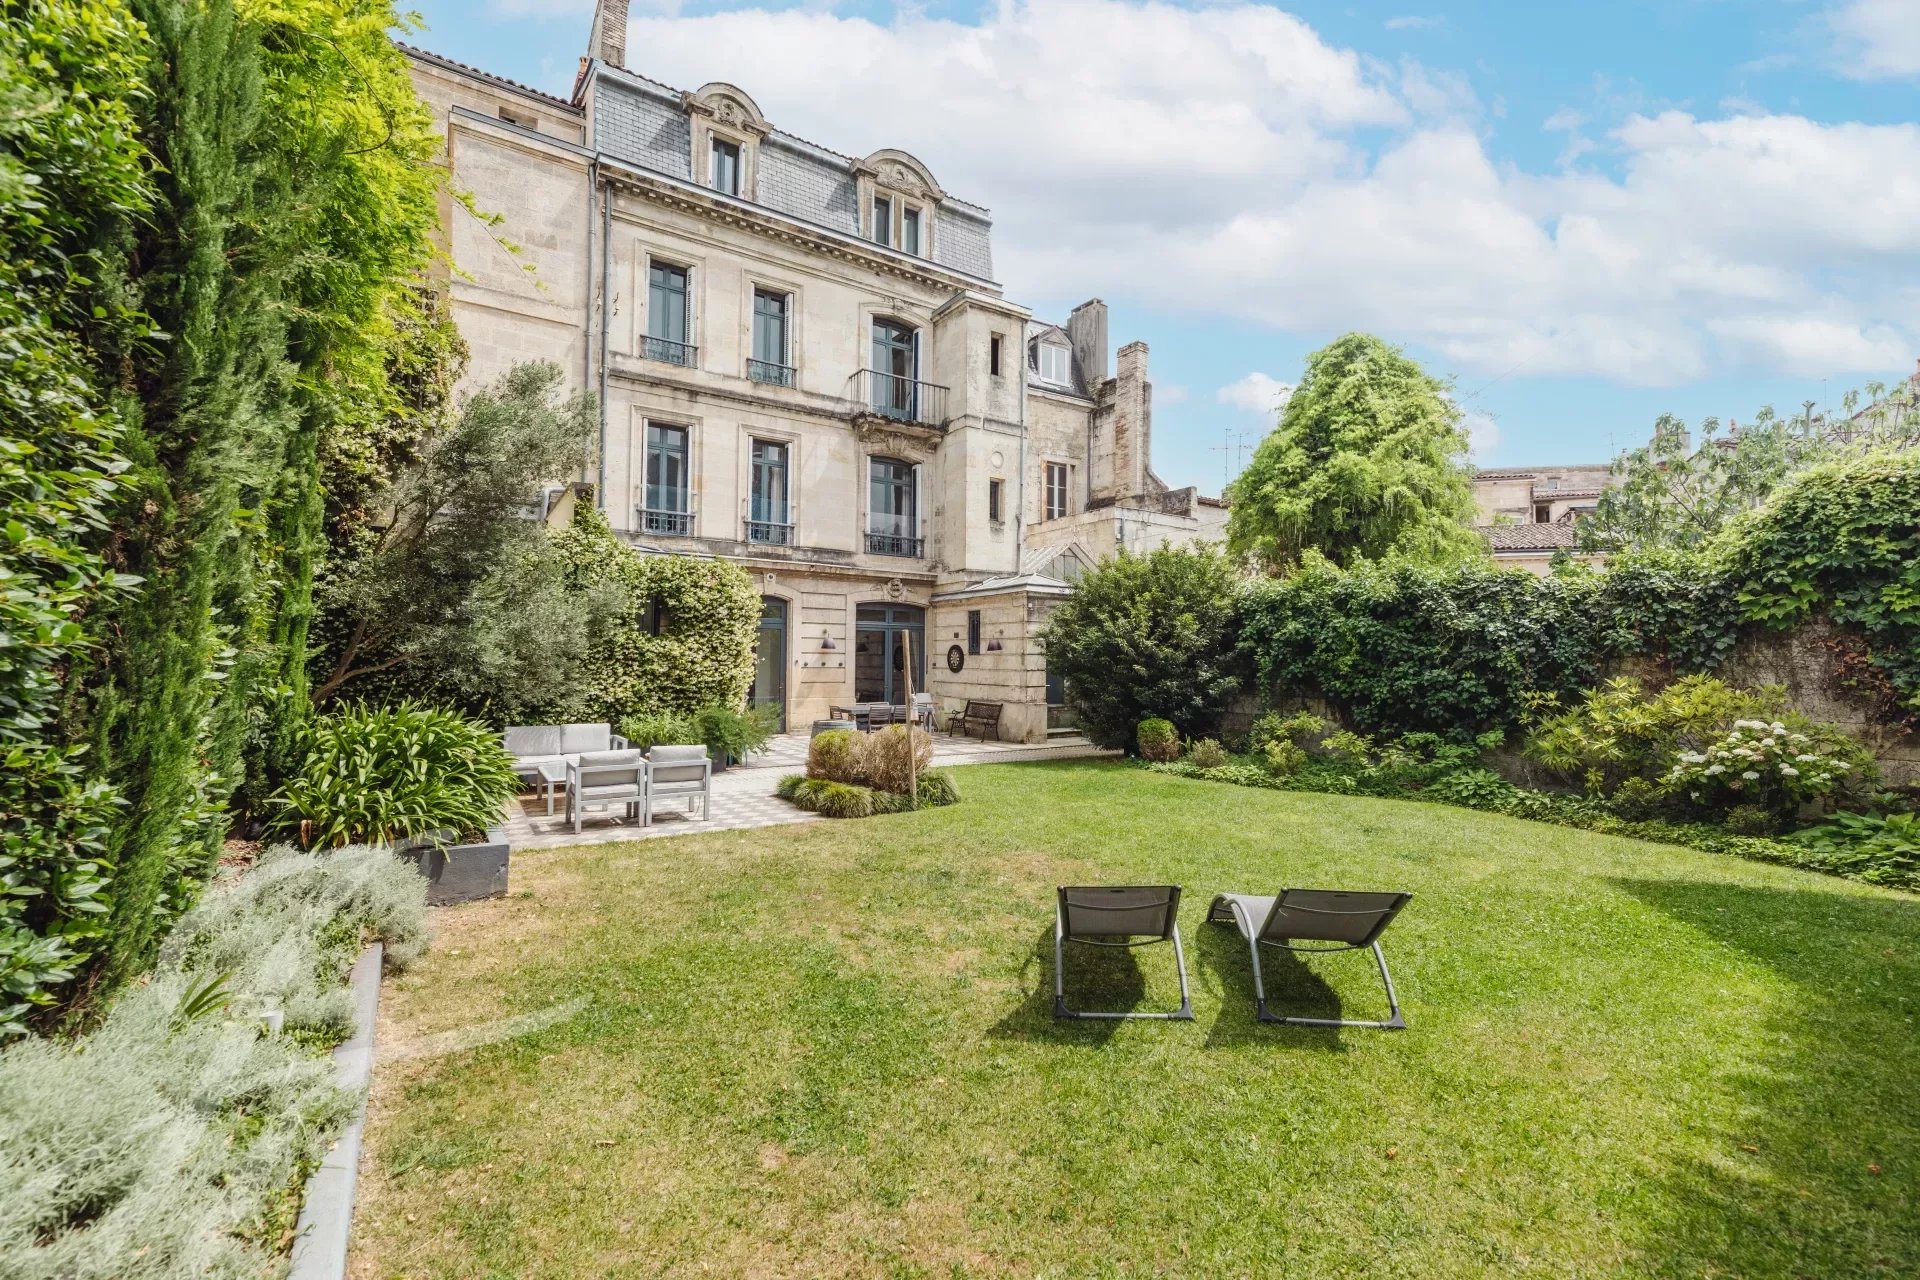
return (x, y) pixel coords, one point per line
(462, 872)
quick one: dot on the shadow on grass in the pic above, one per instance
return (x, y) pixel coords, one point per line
(1821, 1176)
(1106, 979)
(1293, 988)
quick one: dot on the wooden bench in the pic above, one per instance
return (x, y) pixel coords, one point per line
(984, 716)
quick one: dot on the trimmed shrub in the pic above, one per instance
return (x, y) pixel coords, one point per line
(1158, 740)
(838, 755)
(896, 755)
(179, 1156)
(1147, 637)
(1207, 753)
(380, 775)
(1751, 820)
(685, 638)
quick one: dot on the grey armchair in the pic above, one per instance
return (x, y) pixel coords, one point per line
(600, 779)
(680, 771)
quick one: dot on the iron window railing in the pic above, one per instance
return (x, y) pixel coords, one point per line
(893, 544)
(773, 375)
(668, 351)
(769, 533)
(678, 524)
(902, 399)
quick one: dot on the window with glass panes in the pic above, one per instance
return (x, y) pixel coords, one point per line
(892, 498)
(882, 220)
(1056, 490)
(767, 497)
(910, 230)
(770, 327)
(726, 166)
(668, 491)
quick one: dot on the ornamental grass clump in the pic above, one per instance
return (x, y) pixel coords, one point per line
(167, 1143)
(388, 774)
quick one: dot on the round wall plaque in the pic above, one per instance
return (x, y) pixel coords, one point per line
(956, 658)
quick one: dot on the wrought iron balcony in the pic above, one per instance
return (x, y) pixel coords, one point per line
(893, 544)
(773, 375)
(676, 524)
(769, 533)
(898, 398)
(666, 350)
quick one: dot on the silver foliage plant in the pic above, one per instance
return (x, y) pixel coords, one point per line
(165, 1143)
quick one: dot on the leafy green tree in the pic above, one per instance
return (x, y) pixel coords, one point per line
(457, 581)
(1144, 637)
(1369, 461)
(1676, 494)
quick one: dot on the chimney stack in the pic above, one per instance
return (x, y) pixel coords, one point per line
(609, 39)
(1087, 331)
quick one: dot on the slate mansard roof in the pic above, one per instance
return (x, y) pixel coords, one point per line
(643, 123)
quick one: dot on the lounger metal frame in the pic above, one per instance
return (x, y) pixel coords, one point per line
(1183, 1014)
(1251, 930)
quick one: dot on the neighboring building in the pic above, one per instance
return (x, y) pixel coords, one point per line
(1528, 516)
(806, 367)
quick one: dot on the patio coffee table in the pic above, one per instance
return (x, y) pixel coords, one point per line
(552, 773)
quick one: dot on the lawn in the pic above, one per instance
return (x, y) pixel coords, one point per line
(826, 1050)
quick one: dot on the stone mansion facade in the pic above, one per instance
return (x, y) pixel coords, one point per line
(805, 366)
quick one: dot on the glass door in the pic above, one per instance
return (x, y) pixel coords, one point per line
(770, 660)
(881, 642)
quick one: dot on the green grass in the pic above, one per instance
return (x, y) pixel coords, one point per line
(827, 1051)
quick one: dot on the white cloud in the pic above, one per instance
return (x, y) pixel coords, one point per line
(1226, 161)
(1257, 392)
(1483, 433)
(1876, 39)
(1169, 393)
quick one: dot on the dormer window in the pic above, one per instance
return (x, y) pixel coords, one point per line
(882, 220)
(897, 199)
(910, 230)
(1055, 364)
(725, 166)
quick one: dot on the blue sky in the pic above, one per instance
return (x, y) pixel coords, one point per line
(1585, 214)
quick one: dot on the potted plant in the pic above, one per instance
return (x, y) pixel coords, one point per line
(730, 735)
(431, 783)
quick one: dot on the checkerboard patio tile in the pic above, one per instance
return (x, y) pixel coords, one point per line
(743, 796)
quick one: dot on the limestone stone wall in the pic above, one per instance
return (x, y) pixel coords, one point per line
(1801, 662)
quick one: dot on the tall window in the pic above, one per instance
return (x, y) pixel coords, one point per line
(973, 631)
(669, 506)
(1056, 490)
(769, 362)
(892, 503)
(895, 367)
(1056, 364)
(993, 355)
(726, 166)
(910, 230)
(882, 220)
(996, 500)
(667, 315)
(768, 514)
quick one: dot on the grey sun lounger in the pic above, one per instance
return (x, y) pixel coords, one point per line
(1345, 921)
(1117, 916)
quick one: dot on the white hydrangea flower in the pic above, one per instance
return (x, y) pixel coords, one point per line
(1751, 776)
(1788, 771)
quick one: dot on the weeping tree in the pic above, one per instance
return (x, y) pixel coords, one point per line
(1368, 461)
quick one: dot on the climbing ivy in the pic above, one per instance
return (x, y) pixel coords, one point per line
(684, 638)
(1843, 541)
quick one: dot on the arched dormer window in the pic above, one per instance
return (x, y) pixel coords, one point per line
(898, 197)
(726, 127)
